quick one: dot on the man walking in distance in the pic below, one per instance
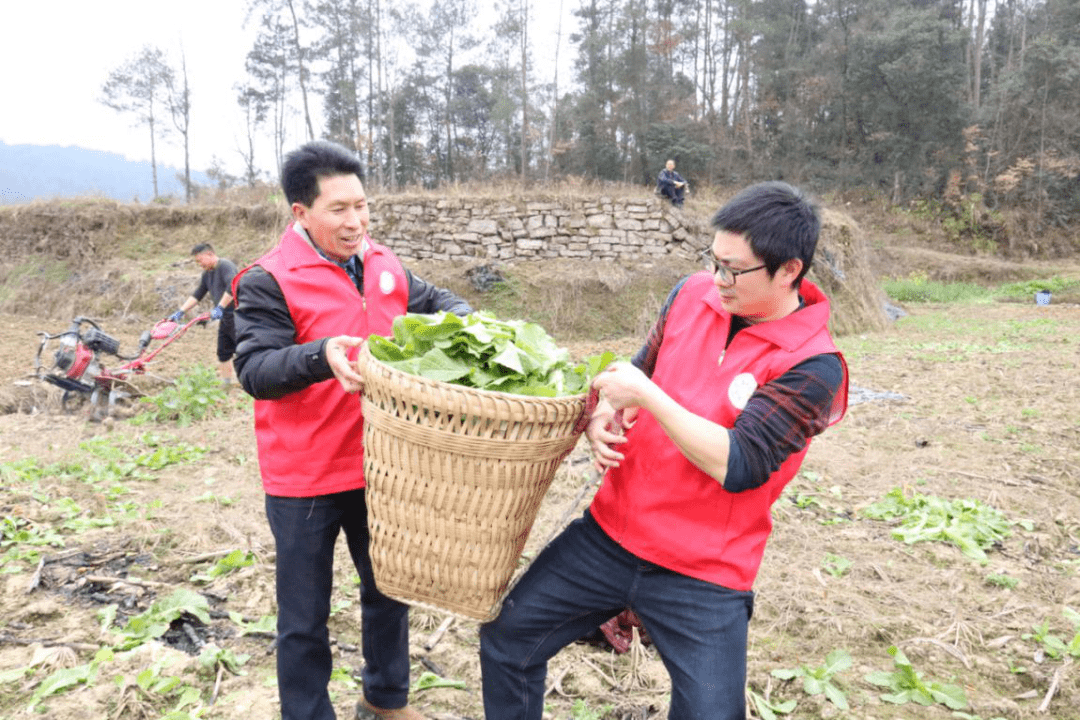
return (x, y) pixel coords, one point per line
(717, 411)
(217, 277)
(302, 311)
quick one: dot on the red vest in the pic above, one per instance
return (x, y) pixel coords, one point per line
(311, 442)
(660, 506)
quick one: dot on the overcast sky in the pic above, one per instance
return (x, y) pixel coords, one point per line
(56, 55)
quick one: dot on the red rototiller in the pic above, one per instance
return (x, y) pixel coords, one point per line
(77, 366)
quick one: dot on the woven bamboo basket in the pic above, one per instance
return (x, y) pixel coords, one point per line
(455, 477)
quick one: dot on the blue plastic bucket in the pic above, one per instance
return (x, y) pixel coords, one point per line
(1042, 297)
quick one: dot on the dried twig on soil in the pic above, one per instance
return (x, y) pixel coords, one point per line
(436, 636)
(35, 579)
(432, 666)
(216, 554)
(615, 684)
(217, 682)
(635, 676)
(109, 580)
(951, 649)
(1054, 684)
(47, 642)
(556, 683)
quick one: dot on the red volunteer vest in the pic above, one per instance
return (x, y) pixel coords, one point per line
(311, 442)
(660, 506)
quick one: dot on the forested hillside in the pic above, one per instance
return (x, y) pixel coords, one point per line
(940, 99)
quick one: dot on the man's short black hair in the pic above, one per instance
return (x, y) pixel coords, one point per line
(201, 248)
(779, 221)
(305, 166)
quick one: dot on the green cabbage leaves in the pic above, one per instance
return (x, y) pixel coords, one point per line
(481, 351)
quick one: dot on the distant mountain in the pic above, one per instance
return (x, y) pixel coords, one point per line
(44, 172)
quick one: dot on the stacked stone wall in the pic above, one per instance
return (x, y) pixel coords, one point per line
(492, 229)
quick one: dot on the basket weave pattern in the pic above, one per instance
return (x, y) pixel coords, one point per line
(455, 477)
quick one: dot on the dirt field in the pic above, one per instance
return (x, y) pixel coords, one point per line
(976, 402)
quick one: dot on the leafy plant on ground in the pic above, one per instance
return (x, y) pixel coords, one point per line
(815, 500)
(767, 709)
(819, 680)
(104, 464)
(67, 678)
(214, 659)
(836, 565)
(1053, 645)
(19, 539)
(968, 524)
(482, 352)
(1024, 291)
(158, 689)
(907, 685)
(192, 396)
(159, 616)
(233, 561)
(581, 711)
(1002, 580)
(429, 680)
(918, 288)
(266, 625)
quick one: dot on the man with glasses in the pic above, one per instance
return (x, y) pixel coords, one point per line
(697, 436)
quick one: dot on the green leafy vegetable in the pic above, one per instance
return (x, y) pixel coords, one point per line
(819, 680)
(429, 680)
(968, 524)
(908, 685)
(483, 352)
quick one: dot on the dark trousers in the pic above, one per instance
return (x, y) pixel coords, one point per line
(672, 193)
(582, 579)
(305, 531)
(226, 336)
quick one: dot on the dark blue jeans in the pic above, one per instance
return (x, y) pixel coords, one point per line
(305, 531)
(582, 579)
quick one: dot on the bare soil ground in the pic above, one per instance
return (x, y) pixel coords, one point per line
(972, 402)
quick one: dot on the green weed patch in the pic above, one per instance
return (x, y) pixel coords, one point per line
(968, 524)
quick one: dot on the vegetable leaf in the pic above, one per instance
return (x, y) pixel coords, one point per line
(480, 351)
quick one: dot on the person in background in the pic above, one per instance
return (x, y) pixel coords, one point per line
(697, 436)
(302, 311)
(216, 280)
(671, 185)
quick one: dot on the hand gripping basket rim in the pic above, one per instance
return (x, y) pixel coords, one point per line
(455, 477)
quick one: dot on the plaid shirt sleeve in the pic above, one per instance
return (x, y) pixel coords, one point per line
(780, 417)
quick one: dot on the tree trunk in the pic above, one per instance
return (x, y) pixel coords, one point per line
(555, 99)
(300, 69)
(524, 88)
(980, 38)
(153, 147)
(449, 97)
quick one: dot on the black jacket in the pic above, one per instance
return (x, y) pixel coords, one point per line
(269, 363)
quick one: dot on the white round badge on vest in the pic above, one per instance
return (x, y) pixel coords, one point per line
(741, 388)
(386, 282)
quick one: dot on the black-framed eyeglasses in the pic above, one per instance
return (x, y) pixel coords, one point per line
(727, 275)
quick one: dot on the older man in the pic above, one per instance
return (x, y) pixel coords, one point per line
(302, 311)
(671, 185)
